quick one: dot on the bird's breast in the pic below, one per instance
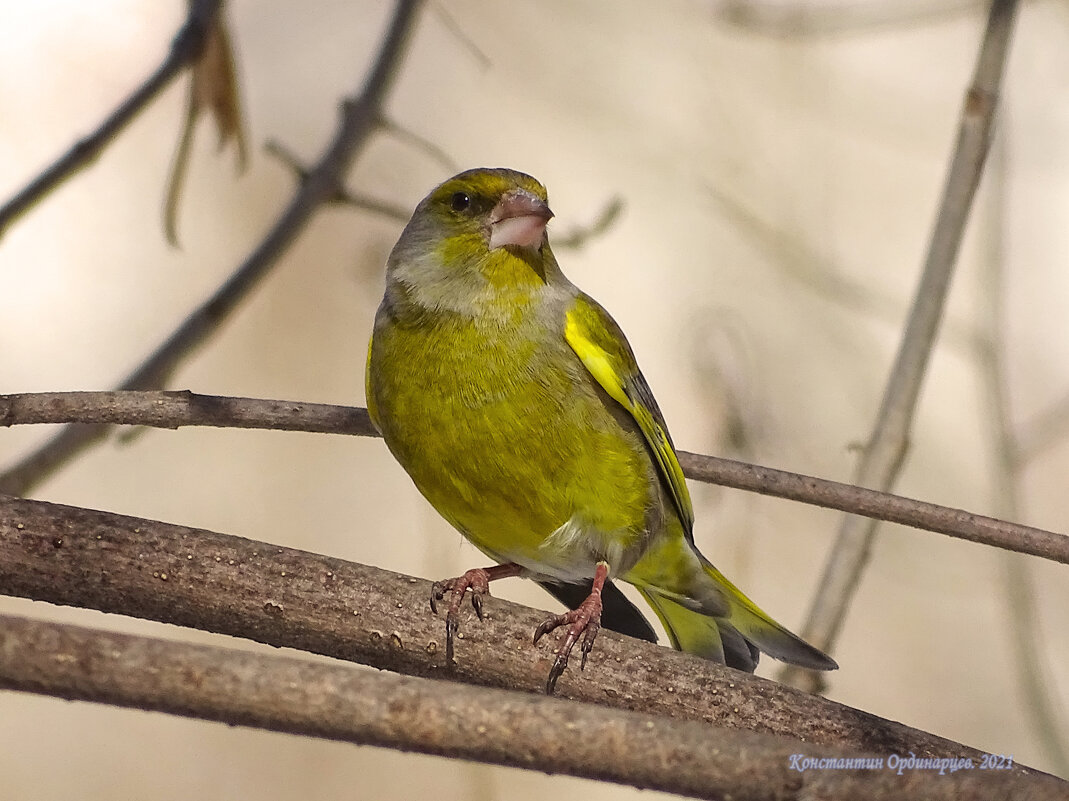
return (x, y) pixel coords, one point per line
(503, 431)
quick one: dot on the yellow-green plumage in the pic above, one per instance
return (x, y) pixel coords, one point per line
(515, 404)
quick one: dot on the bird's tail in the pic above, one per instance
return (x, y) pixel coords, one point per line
(701, 635)
(710, 617)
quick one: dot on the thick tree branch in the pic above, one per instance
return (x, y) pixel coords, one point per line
(185, 49)
(175, 409)
(284, 597)
(886, 449)
(453, 720)
(360, 117)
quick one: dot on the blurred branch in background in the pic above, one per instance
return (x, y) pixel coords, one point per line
(421, 143)
(175, 409)
(886, 449)
(574, 238)
(841, 17)
(1027, 648)
(289, 598)
(360, 118)
(797, 259)
(1043, 430)
(502, 727)
(451, 25)
(391, 211)
(186, 49)
(322, 183)
(722, 365)
(579, 235)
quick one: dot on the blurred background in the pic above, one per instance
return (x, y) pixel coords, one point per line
(780, 165)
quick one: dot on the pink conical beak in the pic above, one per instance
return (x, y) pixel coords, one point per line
(519, 218)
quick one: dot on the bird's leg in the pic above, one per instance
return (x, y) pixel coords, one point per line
(584, 620)
(478, 581)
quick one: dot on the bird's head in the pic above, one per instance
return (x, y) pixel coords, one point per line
(490, 209)
(482, 229)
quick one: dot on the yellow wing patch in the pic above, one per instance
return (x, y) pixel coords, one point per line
(597, 361)
(601, 347)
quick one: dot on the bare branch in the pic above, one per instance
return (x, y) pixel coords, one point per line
(454, 720)
(177, 408)
(182, 408)
(883, 455)
(389, 210)
(185, 49)
(284, 597)
(877, 505)
(360, 117)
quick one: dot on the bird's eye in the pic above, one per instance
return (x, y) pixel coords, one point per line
(460, 201)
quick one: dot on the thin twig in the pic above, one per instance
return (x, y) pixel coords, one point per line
(177, 408)
(886, 449)
(877, 505)
(182, 408)
(391, 211)
(360, 117)
(289, 598)
(185, 49)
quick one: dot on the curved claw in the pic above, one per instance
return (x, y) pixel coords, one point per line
(476, 580)
(451, 626)
(547, 625)
(555, 672)
(591, 634)
(585, 622)
(437, 594)
(477, 603)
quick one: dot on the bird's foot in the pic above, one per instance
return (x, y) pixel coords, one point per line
(583, 621)
(478, 581)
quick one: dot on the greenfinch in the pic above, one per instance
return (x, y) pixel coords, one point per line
(514, 402)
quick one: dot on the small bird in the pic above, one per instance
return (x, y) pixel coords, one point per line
(514, 402)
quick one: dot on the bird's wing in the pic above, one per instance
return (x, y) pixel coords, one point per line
(600, 344)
